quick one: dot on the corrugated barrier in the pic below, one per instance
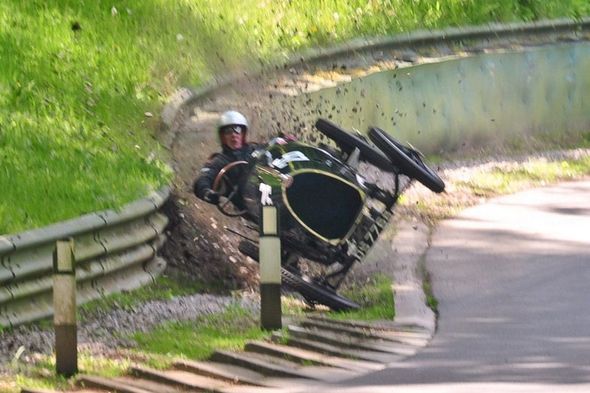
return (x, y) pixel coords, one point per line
(114, 251)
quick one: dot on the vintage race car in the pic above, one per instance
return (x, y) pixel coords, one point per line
(330, 214)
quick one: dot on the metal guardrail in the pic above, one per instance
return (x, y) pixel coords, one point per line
(114, 251)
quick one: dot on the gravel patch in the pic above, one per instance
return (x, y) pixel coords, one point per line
(111, 330)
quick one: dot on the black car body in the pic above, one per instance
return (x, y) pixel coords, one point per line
(329, 212)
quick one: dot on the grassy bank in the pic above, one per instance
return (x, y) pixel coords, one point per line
(198, 339)
(471, 186)
(82, 82)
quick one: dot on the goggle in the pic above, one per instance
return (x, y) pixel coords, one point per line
(231, 130)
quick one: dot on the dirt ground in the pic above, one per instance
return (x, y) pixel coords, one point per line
(199, 245)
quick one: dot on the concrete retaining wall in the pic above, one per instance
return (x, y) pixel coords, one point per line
(532, 89)
(488, 99)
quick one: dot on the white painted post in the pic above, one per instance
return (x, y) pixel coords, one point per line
(64, 306)
(270, 269)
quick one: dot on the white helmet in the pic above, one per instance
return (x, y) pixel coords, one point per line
(232, 118)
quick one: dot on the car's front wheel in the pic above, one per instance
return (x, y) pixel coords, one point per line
(407, 159)
(347, 142)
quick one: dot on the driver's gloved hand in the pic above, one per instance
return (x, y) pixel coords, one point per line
(211, 197)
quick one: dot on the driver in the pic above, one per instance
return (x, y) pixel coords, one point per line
(232, 129)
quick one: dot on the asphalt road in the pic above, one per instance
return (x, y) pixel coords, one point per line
(512, 277)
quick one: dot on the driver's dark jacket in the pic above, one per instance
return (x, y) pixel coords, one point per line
(216, 162)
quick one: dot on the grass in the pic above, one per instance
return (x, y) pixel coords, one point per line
(82, 83)
(499, 179)
(198, 339)
(509, 178)
(431, 300)
(232, 328)
(375, 296)
(40, 374)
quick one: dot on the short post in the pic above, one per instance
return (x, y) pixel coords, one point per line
(270, 269)
(64, 306)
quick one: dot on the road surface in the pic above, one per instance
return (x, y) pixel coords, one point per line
(512, 277)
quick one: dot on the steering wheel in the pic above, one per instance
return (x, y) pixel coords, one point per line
(224, 186)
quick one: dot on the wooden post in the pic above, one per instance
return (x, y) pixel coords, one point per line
(270, 269)
(64, 306)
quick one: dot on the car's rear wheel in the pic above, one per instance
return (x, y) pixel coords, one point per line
(315, 293)
(249, 249)
(348, 142)
(407, 159)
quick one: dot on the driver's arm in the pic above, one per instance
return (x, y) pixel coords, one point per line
(202, 187)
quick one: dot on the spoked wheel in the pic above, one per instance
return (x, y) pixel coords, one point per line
(312, 291)
(225, 186)
(316, 293)
(348, 142)
(407, 159)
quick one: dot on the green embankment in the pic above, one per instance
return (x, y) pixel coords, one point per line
(82, 82)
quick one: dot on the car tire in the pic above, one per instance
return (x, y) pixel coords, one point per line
(316, 293)
(248, 249)
(407, 160)
(347, 142)
(312, 291)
